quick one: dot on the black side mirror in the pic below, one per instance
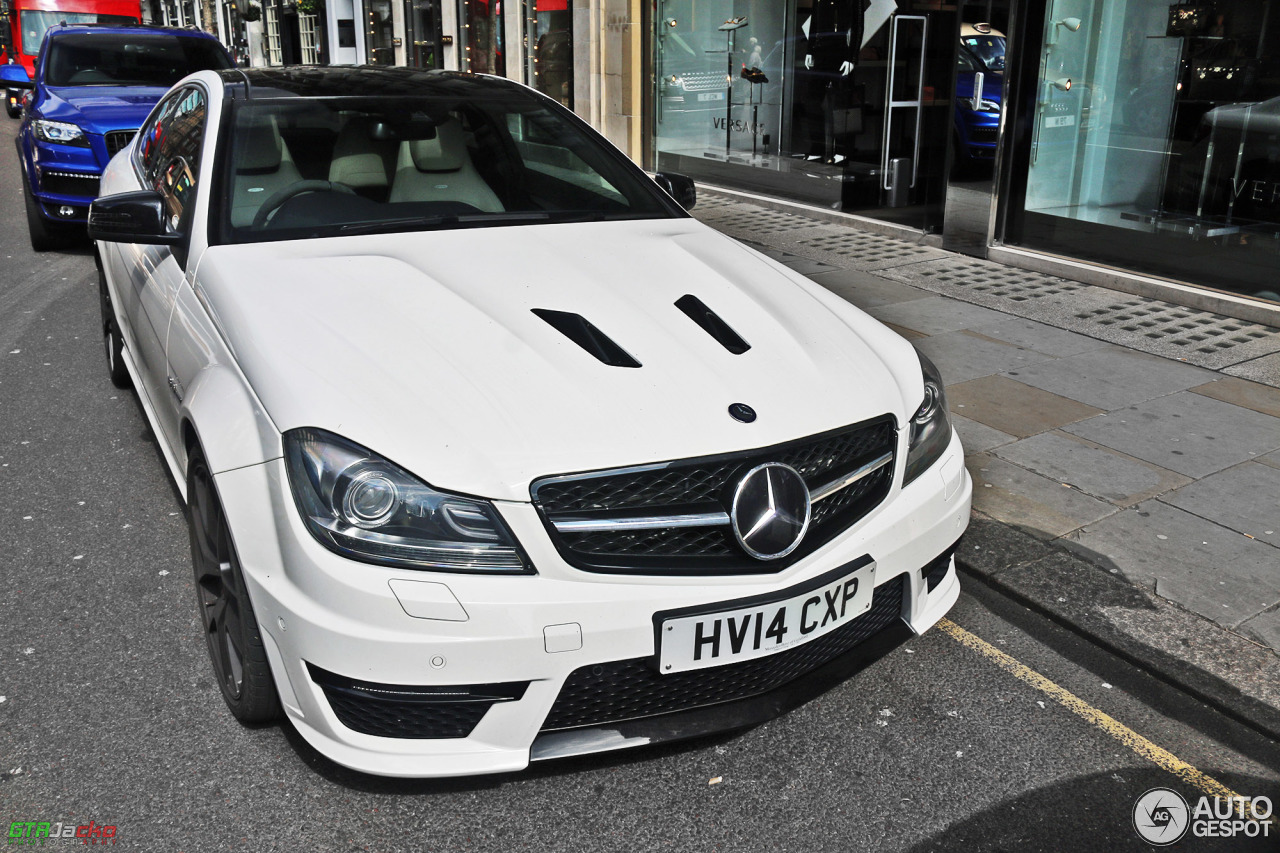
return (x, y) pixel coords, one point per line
(135, 217)
(679, 187)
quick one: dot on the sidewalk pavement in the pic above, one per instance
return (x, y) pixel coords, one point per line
(1125, 451)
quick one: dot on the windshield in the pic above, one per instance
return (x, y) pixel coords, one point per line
(310, 167)
(34, 23)
(988, 49)
(111, 59)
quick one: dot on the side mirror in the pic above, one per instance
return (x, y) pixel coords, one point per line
(16, 77)
(679, 187)
(136, 217)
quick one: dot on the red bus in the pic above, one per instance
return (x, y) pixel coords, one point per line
(29, 19)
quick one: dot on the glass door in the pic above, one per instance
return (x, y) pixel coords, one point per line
(423, 32)
(482, 36)
(548, 33)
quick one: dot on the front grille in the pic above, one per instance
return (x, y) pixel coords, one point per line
(705, 487)
(117, 139)
(68, 183)
(983, 134)
(634, 689)
(703, 81)
(401, 711)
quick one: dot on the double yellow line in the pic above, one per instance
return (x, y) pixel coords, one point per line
(1127, 736)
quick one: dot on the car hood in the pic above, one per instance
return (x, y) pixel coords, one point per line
(99, 109)
(425, 348)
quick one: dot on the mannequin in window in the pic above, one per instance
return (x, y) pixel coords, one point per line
(833, 34)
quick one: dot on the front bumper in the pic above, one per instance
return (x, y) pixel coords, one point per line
(339, 631)
(65, 179)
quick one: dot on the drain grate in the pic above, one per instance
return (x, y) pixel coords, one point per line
(1000, 281)
(1182, 327)
(869, 249)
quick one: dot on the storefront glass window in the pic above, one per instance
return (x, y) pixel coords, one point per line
(423, 32)
(1155, 139)
(549, 48)
(482, 36)
(379, 33)
(842, 103)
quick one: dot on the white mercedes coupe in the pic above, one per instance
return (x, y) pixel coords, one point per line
(491, 452)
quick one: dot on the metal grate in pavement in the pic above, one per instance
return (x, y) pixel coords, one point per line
(868, 249)
(998, 280)
(761, 220)
(1200, 331)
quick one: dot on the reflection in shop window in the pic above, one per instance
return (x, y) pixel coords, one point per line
(482, 36)
(379, 33)
(1163, 154)
(549, 48)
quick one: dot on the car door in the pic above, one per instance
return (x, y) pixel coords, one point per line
(168, 159)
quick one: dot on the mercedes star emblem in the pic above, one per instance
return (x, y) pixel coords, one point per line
(771, 509)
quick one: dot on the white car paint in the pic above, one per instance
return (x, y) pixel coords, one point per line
(423, 348)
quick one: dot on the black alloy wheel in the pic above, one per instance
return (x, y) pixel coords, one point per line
(230, 627)
(111, 340)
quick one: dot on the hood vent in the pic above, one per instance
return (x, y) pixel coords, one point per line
(711, 323)
(578, 329)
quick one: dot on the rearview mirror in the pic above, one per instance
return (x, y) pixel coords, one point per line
(134, 217)
(679, 187)
(16, 77)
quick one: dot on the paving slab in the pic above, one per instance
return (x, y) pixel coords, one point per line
(1037, 505)
(1112, 377)
(1092, 468)
(1242, 392)
(977, 437)
(867, 290)
(1039, 337)
(1265, 628)
(1272, 459)
(1245, 498)
(1206, 568)
(1184, 432)
(934, 315)
(1014, 408)
(962, 356)
(1265, 370)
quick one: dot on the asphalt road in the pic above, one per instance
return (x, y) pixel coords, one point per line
(108, 712)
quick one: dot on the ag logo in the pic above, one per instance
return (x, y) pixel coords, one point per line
(1161, 816)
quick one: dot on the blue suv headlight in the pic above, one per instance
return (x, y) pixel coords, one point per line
(61, 132)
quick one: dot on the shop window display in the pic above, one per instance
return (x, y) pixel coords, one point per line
(804, 99)
(1155, 139)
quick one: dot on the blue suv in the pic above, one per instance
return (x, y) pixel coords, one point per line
(94, 87)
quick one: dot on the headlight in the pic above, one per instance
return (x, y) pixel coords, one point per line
(361, 506)
(930, 425)
(61, 132)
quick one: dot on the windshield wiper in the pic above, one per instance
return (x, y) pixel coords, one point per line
(462, 220)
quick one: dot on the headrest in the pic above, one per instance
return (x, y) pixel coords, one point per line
(260, 146)
(447, 152)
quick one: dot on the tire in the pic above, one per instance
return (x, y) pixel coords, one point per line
(45, 235)
(231, 630)
(112, 342)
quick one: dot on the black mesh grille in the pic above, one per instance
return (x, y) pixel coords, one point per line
(399, 711)
(117, 139)
(634, 689)
(68, 183)
(706, 484)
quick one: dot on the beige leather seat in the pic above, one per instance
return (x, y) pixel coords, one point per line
(360, 161)
(263, 166)
(440, 169)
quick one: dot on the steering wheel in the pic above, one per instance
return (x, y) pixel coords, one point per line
(280, 196)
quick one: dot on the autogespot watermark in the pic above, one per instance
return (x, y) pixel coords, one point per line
(1162, 816)
(41, 832)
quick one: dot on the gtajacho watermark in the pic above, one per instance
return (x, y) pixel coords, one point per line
(38, 833)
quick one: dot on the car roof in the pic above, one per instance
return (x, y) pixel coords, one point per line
(125, 30)
(336, 81)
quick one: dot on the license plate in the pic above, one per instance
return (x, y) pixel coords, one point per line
(754, 628)
(711, 96)
(1059, 121)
